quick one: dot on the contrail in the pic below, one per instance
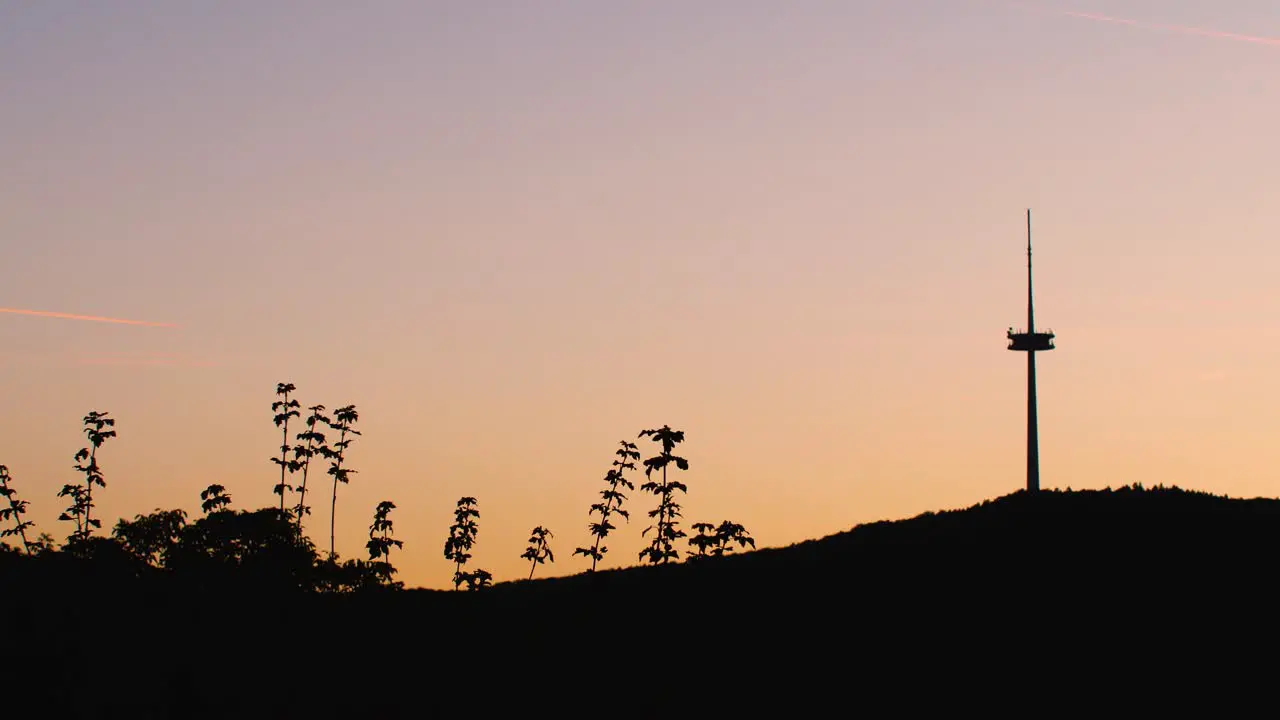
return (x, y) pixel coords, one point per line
(1184, 29)
(91, 318)
(146, 361)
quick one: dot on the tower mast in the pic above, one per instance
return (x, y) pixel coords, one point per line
(1031, 310)
(1029, 342)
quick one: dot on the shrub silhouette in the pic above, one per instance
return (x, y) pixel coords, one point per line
(343, 419)
(714, 541)
(351, 576)
(285, 409)
(462, 537)
(613, 498)
(311, 443)
(14, 511)
(704, 540)
(661, 549)
(43, 543)
(81, 509)
(539, 550)
(478, 579)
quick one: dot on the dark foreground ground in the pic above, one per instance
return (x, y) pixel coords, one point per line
(1131, 602)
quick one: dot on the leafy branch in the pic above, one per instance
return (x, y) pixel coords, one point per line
(285, 409)
(661, 549)
(539, 550)
(343, 420)
(381, 542)
(613, 498)
(303, 452)
(215, 499)
(81, 508)
(462, 537)
(14, 511)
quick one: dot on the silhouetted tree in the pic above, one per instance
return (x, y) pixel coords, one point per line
(215, 499)
(259, 549)
(613, 498)
(151, 538)
(313, 443)
(462, 537)
(714, 541)
(381, 542)
(285, 409)
(539, 550)
(343, 419)
(81, 509)
(661, 549)
(14, 511)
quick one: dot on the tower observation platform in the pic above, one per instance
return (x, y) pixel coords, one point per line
(1030, 342)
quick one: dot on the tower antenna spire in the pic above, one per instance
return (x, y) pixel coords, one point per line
(1029, 342)
(1031, 313)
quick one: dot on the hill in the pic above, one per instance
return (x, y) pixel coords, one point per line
(1018, 582)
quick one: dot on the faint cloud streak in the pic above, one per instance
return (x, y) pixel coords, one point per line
(154, 359)
(1183, 29)
(90, 318)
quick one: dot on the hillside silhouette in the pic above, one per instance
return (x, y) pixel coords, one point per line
(1014, 585)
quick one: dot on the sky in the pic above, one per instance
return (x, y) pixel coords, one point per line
(514, 234)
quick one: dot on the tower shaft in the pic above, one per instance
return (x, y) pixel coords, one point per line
(1033, 435)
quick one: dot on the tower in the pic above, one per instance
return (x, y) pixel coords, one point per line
(1030, 342)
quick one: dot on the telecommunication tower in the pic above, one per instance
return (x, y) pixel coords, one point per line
(1031, 342)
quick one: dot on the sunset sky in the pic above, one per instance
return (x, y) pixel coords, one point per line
(515, 233)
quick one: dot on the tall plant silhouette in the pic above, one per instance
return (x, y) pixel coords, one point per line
(462, 537)
(381, 542)
(539, 549)
(14, 511)
(311, 443)
(214, 498)
(81, 509)
(285, 410)
(343, 420)
(714, 541)
(613, 498)
(661, 549)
